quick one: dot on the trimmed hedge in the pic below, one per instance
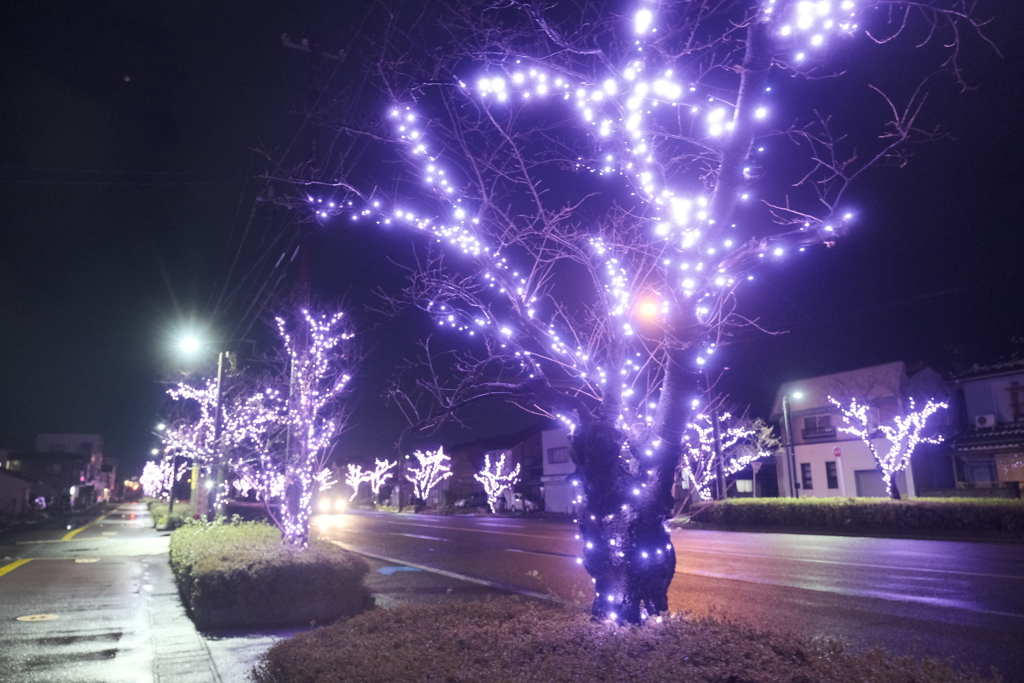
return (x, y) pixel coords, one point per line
(508, 641)
(162, 519)
(877, 515)
(240, 574)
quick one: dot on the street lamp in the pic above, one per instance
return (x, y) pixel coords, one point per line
(787, 429)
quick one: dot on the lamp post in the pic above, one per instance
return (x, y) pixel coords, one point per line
(191, 345)
(787, 429)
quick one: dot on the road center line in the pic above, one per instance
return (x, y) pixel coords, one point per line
(540, 552)
(429, 538)
(7, 568)
(71, 534)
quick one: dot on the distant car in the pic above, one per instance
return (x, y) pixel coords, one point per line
(473, 500)
(331, 504)
(522, 504)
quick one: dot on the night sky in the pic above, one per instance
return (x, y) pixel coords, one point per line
(130, 134)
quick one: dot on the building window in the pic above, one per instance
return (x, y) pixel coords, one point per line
(818, 427)
(805, 475)
(1016, 401)
(558, 455)
(981, 472)
(14, 465)
(744, 486)
(830, 475)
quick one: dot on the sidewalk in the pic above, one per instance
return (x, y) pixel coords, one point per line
(105, 608)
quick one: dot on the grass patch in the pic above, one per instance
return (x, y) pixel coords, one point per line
(164, 519)
(509, 641)
(240, 574)
(930, 516)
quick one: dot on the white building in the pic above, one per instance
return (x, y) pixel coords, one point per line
(557, 480)
(825, 462)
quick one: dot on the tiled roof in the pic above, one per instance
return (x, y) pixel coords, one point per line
(1001, 437)
(1009, 364)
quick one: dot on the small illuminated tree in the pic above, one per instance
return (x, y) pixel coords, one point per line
(355, 477)
(156, 479)
(496, 480)
(192, 437)
(379, 476)
(603, 186)
(433, 469)
(741, 442)
(902, 436)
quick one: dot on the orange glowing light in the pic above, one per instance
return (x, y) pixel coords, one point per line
(648, 308)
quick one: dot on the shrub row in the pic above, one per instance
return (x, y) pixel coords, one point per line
(240, 574)
(164, 519)
(958, 515)
(507, 641)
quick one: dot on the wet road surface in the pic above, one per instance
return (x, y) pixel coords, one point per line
(926, 598)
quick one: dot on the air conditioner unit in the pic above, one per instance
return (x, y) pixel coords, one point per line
(984, 421)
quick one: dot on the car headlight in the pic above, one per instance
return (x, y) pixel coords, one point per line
(340, 505)
(324, 505)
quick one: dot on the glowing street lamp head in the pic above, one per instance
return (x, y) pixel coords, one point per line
(189, 344)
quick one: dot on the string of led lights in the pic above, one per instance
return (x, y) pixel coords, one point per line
(678, 148)
(495, 479)
(433, 468)
(902, 437)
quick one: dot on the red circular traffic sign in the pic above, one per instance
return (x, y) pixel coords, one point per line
(837, 451)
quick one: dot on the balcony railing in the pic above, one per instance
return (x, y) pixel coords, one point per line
(818, 433)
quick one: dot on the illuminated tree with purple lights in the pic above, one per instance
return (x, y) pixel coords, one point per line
(156, 479)
(319, 361)
(355, 477)
(433, 468)
(740, 442)
(192, 437)
(903, 435)
(495, 479)
(605, 189)
(379, 476)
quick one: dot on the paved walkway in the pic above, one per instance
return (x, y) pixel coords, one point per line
(104, 606)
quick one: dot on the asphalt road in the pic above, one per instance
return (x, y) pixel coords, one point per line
(925, 598)
(72, 599)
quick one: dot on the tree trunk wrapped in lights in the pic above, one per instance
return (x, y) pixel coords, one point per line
(320, 372)
(605, 191)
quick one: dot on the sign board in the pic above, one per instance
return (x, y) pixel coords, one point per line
(200, 492)
(837, 451)
(756, 466)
